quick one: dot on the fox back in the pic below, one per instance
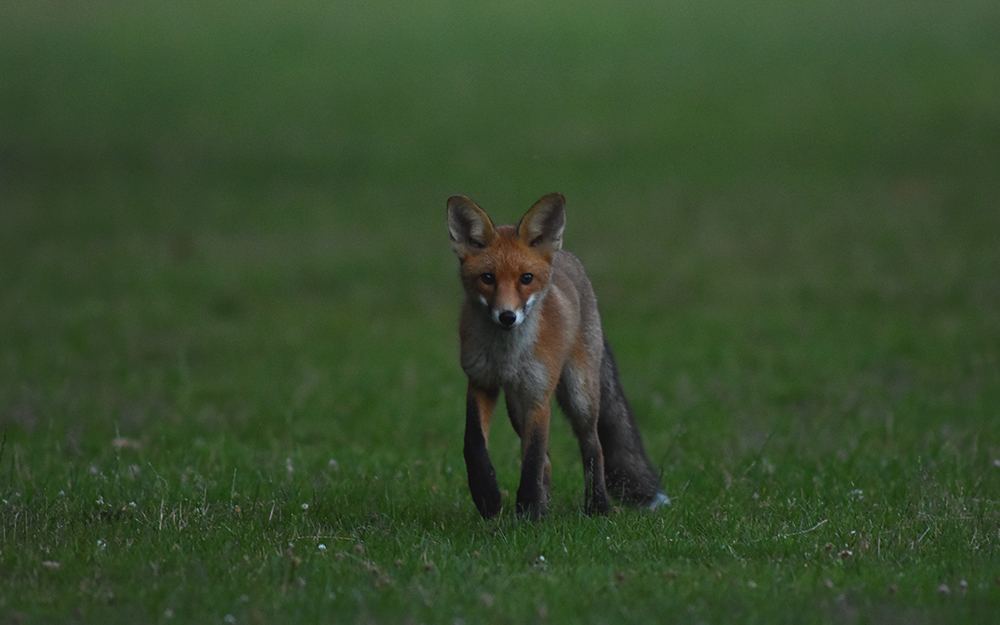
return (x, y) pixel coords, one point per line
(530, 327)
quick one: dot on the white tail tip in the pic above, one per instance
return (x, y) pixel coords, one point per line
(660, 500)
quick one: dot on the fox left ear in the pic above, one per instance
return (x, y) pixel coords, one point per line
(469, 227)
(542, 226)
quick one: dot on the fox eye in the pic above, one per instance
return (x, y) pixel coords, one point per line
(526, 278)
(488, 279)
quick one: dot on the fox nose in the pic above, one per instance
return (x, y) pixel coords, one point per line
(507, 318)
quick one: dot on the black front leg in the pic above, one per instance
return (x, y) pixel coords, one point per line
(536, 469)
(482, 475)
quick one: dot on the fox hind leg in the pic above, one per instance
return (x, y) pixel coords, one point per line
(580, 403)
(595, 491)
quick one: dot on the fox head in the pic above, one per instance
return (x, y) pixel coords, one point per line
(506, 269)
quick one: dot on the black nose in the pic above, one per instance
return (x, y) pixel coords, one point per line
(507, 318)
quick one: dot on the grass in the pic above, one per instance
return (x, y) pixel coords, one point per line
(229, 387)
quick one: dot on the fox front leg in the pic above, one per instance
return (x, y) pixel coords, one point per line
(482, 476)
(536, 468)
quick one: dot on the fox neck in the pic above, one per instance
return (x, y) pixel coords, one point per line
(496, 356)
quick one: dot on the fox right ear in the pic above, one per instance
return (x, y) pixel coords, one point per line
(542, 226)
(469, 227)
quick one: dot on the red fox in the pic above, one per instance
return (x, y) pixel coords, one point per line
(529, 327)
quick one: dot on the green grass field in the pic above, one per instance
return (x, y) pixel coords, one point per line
(229, 382)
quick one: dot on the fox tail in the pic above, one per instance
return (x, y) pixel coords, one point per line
(629, 474)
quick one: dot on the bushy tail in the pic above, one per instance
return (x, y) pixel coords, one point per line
(629, 475)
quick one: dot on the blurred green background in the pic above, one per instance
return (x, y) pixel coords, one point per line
(227, 219)
(228, 306)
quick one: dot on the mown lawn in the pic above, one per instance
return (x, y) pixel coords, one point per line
(229, 384)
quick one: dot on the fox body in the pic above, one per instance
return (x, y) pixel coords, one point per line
(530, 327)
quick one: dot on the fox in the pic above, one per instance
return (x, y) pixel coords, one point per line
(529, 327)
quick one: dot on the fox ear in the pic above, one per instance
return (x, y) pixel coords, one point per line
(542, 226)
(469, 227)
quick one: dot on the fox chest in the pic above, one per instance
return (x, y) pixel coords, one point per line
(506, 363)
